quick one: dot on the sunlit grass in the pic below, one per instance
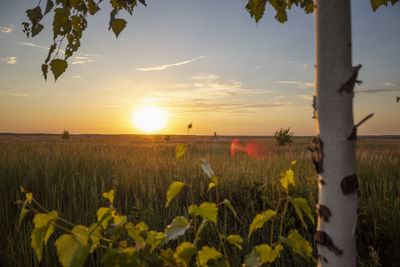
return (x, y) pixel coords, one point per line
(70, 176)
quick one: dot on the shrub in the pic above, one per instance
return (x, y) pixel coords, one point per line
(283, 136)
(65, 135)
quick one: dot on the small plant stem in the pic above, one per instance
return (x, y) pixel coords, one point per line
(61, 219)
(283, 215)
(47, 211)
(273, 222)
(223, 246)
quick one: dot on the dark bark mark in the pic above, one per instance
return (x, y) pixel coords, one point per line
(349, 184)
(322, 258)
(324, 239)
(324, 212)
(353, 134)
(348, 86)
(317, 154)
(314, 105)
(322, 182)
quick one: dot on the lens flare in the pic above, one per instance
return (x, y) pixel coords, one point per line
(253, 149)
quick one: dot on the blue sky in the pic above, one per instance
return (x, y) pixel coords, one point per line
(205, 62)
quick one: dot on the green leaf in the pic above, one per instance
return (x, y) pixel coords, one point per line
(260, 220)
(214, 179)
(287, 179)
(300, 205)
(61, 22)
(235, 240)
(45, 70)
(36, 29)
(180, 150)
(256, 8)
(127, 257)
(42, 231)
(117, 26)
(29, 197)
(231, 208)
(210, 186)
(72, 250)
(184, 252)
(34, 15)
(135, 232)
(375, 4)
(154, 239)
(167, 255)
(49, 6)
(206, 210)
(58, 66)
(79, 24)
(109, 195)
(252, 260)
(208, 253)
(178, 227)
(51, 50)
(267, 254)
(119, 220)
(199, 230)
(92, 235)
(143, 2)
(93, 7)
(207, 168)
(173, 191)
(298, 244)
(23, 213)
(104, 216)
(281, 15)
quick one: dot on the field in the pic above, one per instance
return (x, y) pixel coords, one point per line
(70, 176)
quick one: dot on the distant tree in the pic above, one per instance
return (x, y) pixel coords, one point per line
(283, 137)
(65, 135)
(334, 145)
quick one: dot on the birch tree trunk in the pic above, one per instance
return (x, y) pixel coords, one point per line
(334, 152)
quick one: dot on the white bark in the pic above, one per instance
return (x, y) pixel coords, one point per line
(334, 126)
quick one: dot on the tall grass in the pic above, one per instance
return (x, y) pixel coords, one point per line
(70, 176)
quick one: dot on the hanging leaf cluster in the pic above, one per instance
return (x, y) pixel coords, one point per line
(69, 22)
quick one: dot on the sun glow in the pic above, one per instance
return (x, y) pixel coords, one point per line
(149, 118)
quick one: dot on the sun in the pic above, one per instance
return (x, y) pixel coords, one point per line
(149, 118)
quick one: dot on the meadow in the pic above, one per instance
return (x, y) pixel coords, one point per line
(71, 175)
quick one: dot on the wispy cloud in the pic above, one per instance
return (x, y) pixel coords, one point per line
(154, 99)
(259, 67)
(38, 46)
(393, 84)
(10, 60)
(377, 91)
(112, 106)
(213, 84)
(7, 29)
(32, 45)
(201, 107)
(86, 58)
(14, 94)
(301, 85)
(163, 67)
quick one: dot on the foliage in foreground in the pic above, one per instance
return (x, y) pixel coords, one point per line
(283, 137)
(127, 244)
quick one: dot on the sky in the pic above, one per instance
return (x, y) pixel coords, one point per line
(204, 62)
